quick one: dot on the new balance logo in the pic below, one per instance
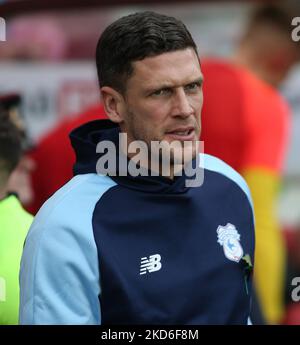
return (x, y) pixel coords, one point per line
(151, 265)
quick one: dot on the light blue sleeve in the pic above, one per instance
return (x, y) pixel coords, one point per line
(59, 277)
(215, 164)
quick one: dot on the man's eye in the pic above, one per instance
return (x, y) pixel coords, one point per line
(193, 86)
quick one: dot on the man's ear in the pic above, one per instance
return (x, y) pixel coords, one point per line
(113, 103)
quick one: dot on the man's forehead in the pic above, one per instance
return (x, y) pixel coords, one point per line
(167, 60)
(170, 67)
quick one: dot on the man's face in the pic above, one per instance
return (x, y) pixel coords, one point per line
(164, 99)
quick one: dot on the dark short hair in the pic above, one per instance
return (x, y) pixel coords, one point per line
(135, 37)
(10, 143)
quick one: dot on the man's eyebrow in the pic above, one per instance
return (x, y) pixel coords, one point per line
(197, 81)
(169, 85)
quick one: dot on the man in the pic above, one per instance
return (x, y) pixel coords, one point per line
(14, 222)
(146, 248)
(251, 119)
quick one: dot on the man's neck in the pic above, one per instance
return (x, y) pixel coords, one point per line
(146, 160)
(245, 58)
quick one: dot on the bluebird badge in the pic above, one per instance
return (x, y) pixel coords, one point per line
(229, 238)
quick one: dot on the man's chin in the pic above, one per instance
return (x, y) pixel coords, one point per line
(181, 157)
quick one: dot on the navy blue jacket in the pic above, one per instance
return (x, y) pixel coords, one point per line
(139, 250)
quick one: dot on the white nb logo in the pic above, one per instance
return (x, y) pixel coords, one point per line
(151, 265)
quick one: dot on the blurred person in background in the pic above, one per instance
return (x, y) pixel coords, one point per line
(251, 121)
(33, 38)
(19, 180)
(42, 38)
(14, 221)
(54, 157)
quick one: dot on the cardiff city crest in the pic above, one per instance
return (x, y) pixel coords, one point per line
(229, 238)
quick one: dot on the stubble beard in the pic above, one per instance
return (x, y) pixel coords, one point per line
(164, 158)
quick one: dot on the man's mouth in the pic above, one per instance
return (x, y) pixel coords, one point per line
(182, 134)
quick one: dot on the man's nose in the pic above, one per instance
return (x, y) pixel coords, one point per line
(181, 105)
